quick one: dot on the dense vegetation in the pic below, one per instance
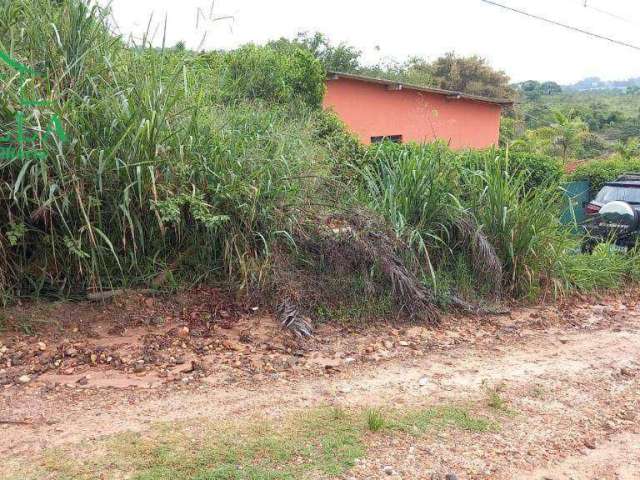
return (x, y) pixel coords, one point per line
(568, 122)
(177, 167)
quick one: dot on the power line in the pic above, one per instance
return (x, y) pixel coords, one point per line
(605, 12)
(563, 25)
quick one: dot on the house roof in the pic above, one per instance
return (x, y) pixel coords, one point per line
(395, 85)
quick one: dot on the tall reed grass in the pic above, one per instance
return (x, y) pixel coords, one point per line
(153, 176)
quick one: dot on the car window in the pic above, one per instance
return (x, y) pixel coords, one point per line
(626, 194)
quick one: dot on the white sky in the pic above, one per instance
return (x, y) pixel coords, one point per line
(525, 48)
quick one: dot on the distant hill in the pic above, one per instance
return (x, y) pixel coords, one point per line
(595, 83)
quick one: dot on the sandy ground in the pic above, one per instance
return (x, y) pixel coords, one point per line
(569, 374)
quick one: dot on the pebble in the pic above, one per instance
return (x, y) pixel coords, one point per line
(451, 476)
(424, 381)
(42, 346)
(24, 379)
(388, 469)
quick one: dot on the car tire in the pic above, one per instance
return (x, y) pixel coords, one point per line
(588, 246)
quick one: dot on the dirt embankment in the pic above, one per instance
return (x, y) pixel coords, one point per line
(569, 376)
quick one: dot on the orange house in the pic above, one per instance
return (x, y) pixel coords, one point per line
(377, 109)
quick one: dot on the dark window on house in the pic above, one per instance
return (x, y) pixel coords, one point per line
(387, 138)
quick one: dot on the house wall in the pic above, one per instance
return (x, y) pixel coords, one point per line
(370, 110)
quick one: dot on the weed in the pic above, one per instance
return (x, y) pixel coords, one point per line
(537, 391)
(494, 396)
(375, 420)
(319, 443)
(420, 421)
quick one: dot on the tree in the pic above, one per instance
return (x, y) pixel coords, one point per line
(629, 148)
(471, 75)
(568, 134)
(337, 58)
(550, 88)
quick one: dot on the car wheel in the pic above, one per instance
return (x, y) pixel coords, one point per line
(588, 246)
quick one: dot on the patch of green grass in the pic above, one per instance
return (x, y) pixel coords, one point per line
(375, 420)
(320, 443)
(495, 399)
(442, 417)
(323, 442)
(355, 309)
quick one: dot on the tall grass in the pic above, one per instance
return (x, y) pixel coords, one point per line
(415, 187)
(153, 177)
(196, 167)
(522, 223)
(461, 211)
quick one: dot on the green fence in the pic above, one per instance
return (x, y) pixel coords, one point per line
(577, 195)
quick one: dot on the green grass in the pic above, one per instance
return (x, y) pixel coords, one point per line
(442, 417)
(375, 420)
(323, 442)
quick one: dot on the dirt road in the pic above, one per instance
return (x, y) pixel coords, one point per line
(563, 382)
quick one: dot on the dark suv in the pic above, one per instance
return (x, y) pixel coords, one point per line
(614, 214)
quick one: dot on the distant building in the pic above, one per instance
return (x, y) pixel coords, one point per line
(376, 109)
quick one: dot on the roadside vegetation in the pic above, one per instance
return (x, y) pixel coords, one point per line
(318, 443)
(177, 167)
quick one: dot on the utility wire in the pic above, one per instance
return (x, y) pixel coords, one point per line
(563, 25)
(605, 12)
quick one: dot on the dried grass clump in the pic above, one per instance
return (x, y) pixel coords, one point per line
(347, 244)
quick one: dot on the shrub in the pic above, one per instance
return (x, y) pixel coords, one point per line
(604, 269)
(154, 177)
(269, 74)
(540, 169)
(344, 148)
(521, 223)
(598, 172)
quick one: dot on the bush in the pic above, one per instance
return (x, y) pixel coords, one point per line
(154, 177)
(604, 269)
(521, 223)
(598, 172)
(273, 75)
(344, 148)
(539, 168)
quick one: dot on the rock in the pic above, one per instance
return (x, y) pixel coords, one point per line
(24, 379)
(590, 443)
(388, 344)
(451, 476)
(627, 372)
(138, 368)
(71, 352)
(82, 381)
(42, 346)
(404, 343)
(388, 469)
(346, 389)
(183, 332)
(424, 381)
(564, 341)
(349, 360)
